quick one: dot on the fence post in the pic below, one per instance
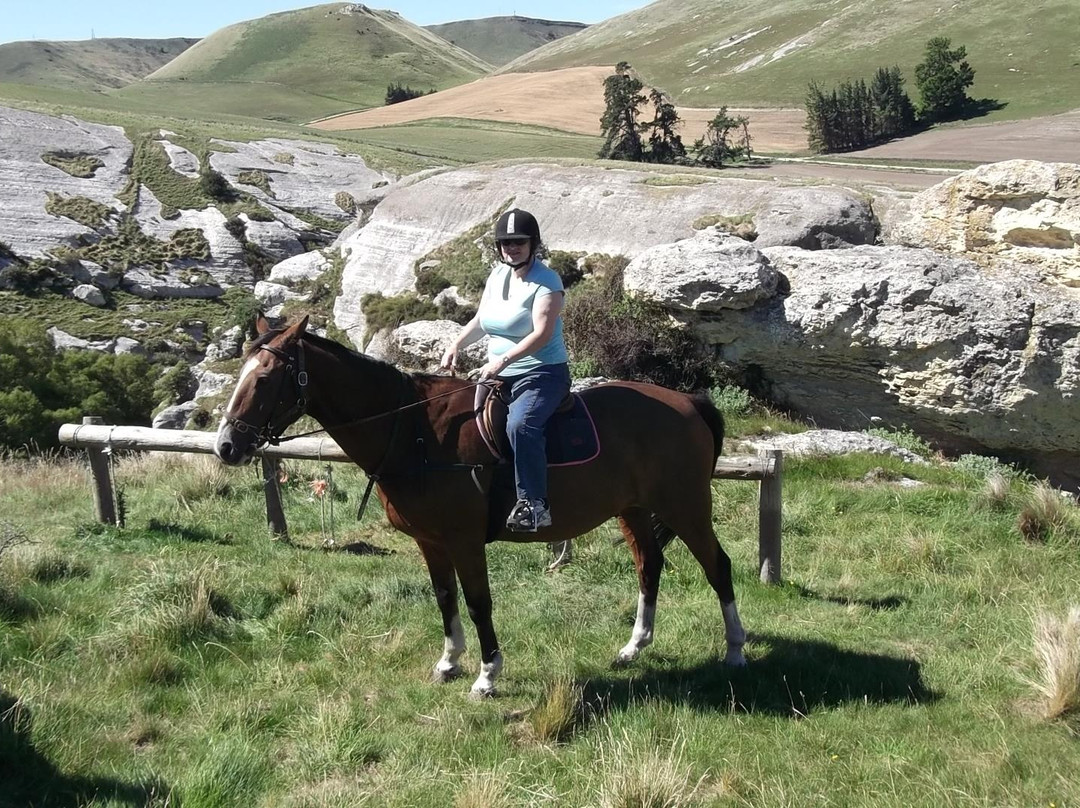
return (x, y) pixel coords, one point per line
(275, 514)
(769, 517)
(104, 498)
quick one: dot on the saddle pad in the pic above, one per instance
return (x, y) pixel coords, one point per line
(571, 436)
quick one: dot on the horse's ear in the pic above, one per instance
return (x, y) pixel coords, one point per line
(297, 329)
(262, 325)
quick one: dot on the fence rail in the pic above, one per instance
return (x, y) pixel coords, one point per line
(99, 439)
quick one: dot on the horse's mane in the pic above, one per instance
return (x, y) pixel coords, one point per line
(344, 352)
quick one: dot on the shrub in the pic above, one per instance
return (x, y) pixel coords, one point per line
(174, 385)
(243, 307)
(78, 209)
(257, 179)
(732, 401)
(346, 201)
(566, 264)
(389, 312)
(40, 388)
(83, 166)
(214, 185)
(631, 338)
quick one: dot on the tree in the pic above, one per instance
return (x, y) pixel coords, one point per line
(943, 78)
(619, 125)
(893, 112)
(665, 145)
(726, 138)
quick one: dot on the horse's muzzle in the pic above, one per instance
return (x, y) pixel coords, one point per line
(233, 448)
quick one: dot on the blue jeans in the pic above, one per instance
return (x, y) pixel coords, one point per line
(533, 399)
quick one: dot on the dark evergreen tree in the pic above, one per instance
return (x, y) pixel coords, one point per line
(726, 139)
(665, 144)
(619, 125)
(894, 114)
(943, 78)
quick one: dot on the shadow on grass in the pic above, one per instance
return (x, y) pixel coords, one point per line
(30, 778)
(784, 677)
(170, 531)
(884, 604)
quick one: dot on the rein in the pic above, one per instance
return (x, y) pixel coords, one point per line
(267, 433)
(298, 374)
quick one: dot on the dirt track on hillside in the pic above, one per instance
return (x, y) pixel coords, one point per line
(573, 100)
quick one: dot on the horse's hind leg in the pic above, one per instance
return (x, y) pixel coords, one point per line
(443, 580)
(694, 526)
(636, 525)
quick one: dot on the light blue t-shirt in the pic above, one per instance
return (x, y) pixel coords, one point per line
(506, 315)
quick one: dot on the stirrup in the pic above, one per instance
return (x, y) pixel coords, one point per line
(528, 516)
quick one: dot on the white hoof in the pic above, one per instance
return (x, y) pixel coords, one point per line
(441, 674)
(627, 654)
(482, 691)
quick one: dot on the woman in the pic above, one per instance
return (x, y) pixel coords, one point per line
(521, 311)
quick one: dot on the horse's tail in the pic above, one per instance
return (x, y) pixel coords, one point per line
(713, 419)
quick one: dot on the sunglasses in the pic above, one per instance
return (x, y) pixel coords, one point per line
(519, 241)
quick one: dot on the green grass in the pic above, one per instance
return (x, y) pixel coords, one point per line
(1024, 57)
(187, 659)
(308, 63)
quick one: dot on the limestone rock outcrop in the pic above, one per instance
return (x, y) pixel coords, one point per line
(971, 358)
(617, 211)
(1019, 210)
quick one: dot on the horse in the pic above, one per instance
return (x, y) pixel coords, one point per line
(416, 437)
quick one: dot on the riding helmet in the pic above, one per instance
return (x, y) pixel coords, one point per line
(517, 223)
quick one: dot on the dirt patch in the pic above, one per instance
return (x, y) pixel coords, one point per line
(571, 100)
(1054, 139)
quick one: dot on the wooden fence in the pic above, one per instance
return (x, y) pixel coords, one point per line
(101, 439)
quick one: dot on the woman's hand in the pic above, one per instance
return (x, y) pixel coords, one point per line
(494, 367)
(449, 359)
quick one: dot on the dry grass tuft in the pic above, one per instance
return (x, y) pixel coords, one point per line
(483, 790)
(1057, 651)
(1044, 511)
(995, 490)
(634, 777)
(559, 712)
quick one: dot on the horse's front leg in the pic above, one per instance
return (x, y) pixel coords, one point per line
(636, 525)
(444, 582)
(470, 561)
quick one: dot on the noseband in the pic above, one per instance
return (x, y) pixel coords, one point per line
(271, 431)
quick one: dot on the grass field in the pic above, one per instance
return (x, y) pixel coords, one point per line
(186, 659)
(741, 53)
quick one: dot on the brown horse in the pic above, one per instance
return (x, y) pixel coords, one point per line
(416, 435)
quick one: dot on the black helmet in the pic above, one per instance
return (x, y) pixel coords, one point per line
(513, 225)
(517, 223)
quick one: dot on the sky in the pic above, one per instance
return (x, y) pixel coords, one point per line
(152, 19)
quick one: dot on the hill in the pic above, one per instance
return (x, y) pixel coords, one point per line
(571, 100)
(498, 40)
(747, 53)
(304, 64)
(92, 64)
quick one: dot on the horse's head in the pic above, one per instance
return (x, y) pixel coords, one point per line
(269, 396)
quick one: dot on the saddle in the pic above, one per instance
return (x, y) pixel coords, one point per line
(571, 433)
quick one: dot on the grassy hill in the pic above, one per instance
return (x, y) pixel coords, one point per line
(308, 63)
(498, 40)
(92, 64)
(747, 53)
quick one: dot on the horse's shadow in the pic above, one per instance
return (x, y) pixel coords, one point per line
(30, 778)
(785, 677)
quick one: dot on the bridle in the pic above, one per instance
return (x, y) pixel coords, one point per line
(270, 432)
